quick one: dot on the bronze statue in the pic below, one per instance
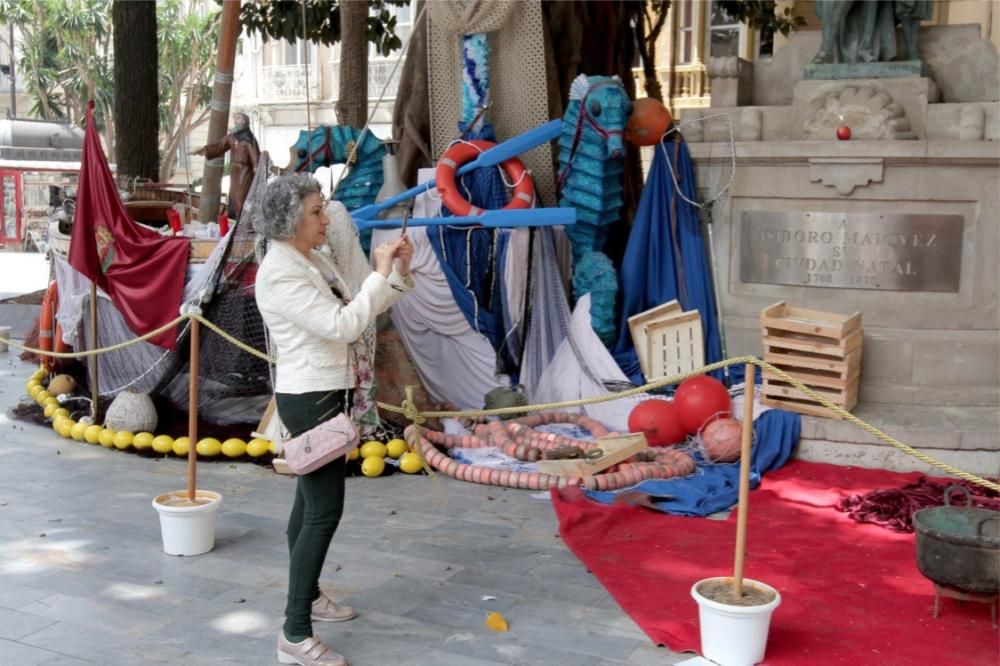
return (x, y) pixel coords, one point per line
(862, 31)
(243, 156)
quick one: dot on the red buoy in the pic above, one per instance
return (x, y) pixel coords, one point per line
(658, 419)
(700, 400)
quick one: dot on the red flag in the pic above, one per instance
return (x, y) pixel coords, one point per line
(141, 270)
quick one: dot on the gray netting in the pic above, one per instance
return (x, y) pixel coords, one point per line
(234, 386)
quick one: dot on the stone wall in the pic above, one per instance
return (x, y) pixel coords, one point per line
(920, 348)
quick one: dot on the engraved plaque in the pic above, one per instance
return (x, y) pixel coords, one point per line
(852, 250)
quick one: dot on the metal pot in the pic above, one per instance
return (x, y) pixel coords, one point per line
(959, 547)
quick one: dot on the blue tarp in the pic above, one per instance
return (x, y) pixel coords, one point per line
(714, 487)
(665, 258)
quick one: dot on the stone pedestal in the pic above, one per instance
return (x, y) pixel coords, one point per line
(874, 109)
(731, 80)
(865, 70)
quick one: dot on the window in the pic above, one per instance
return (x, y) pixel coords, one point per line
(725, 33)
(685, 31)
(294, 53)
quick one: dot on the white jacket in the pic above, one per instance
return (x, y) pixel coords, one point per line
(311, 329)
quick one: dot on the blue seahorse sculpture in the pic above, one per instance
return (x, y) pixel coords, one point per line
(327, 145)
(592, 158)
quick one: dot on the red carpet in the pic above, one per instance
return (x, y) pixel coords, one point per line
(851, 593)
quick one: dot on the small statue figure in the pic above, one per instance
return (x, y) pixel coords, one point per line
(865, 30)
(244, 153)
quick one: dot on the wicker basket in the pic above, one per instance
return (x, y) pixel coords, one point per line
(820, 349)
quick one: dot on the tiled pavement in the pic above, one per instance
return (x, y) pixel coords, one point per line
(83, 578)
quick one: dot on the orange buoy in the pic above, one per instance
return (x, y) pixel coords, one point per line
(464, 151)
(649, 121)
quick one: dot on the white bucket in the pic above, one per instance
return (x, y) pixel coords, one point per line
(5, 334)
(734, 635)
(187, 530)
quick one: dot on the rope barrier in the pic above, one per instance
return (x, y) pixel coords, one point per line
(409, 409)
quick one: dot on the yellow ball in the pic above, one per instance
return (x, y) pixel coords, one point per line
(142, 441)
(35, 390)
(163, 443)
(61, 411)
(209, 447)
(50, 401)
(107, 438)
(41, 396)
(234, 447)
(396, 447)
(92, 434)
(66, 427)
(50, 409)
(122, 439)
(57, 422)
(181, 446)
(258, 447)
(76, 432)
(32, 383)
(354, 454)
(373, 466)
(373, 448)
(410, 463)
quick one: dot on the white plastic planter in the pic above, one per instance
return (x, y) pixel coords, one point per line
(187, 530)
(734, 635)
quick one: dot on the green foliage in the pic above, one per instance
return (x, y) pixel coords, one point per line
(282, 19)
(66, 58)
(761, 14)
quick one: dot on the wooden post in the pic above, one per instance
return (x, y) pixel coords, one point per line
(93, 345)
(744, 496)
(222, 90)
(193, 410)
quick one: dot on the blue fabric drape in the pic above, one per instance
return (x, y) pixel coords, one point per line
(715, 488)
(665, 258)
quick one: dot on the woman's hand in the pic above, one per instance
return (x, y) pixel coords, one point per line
(404, 254)
(383, 256)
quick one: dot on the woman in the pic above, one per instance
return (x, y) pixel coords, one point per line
(315, 324)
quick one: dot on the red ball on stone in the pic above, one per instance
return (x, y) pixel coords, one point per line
(700, 400)
(844, 133)
(658, 420)
(723, 440)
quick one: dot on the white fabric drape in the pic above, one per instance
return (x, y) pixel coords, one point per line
(456, 364)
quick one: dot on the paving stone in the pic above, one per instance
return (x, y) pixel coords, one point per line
(18, 653)
(17, 624)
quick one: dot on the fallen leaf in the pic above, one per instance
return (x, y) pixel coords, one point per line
(496, 622)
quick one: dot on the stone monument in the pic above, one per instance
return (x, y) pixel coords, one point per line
(901, 221)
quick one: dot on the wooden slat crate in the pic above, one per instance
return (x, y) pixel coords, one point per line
(820, 349)
(668, 341)
(675, 345)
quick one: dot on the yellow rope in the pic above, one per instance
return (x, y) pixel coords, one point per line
(415, 416)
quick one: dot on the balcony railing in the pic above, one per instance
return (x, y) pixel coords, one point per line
(288, 82)
(378, 74)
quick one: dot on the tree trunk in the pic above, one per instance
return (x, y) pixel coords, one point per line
(137, 99)
(352, 99)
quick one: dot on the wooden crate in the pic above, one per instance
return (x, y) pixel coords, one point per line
(637, 325)
(668, 341)
(201, 249)
(675, 346)
(820, 349)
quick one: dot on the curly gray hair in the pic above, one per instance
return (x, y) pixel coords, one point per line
(281, 209)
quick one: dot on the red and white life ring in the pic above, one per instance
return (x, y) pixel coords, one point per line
(464, 151)
(49, 330)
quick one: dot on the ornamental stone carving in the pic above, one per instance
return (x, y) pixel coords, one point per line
(871, 114)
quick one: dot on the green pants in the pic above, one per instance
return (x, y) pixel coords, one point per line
(319, 504)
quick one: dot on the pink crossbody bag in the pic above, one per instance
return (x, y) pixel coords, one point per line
(324, 443)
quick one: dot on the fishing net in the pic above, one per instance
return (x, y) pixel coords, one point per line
(234, 385)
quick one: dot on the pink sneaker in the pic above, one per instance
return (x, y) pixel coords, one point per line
(310, 652)
(324, 610)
